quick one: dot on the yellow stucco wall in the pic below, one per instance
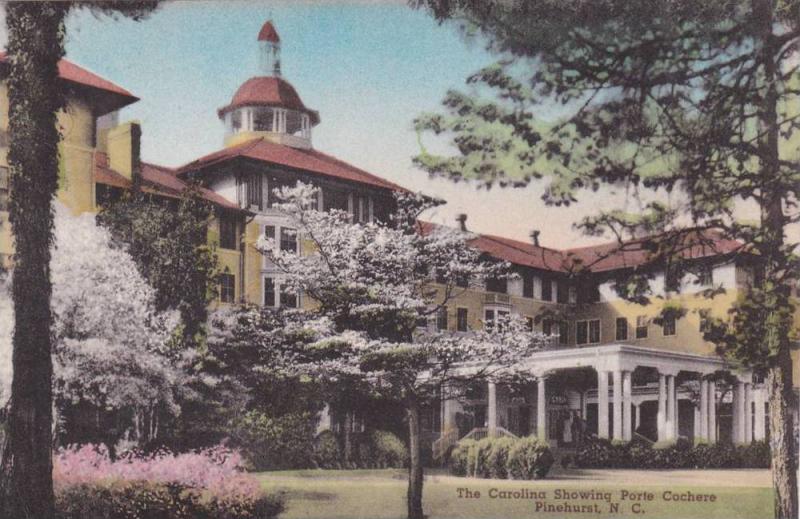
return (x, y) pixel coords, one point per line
(76, 182)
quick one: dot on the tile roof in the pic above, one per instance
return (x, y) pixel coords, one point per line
(268, 91)
(596, 258)
(76, 74)
(308, 160)
(633, 253)
(268, 33)
(158, 180)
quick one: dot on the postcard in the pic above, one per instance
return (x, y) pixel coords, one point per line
(399, 259)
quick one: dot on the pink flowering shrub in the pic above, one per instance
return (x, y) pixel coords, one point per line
(211, 482)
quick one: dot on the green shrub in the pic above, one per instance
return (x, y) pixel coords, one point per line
(479, 458)
(382, 449)
(146, 500)
(327, 454)
(595, 453)
(529, 458)
(285, 442)
(754, 455)
(497, 460)
(459, 458)
(671, 454)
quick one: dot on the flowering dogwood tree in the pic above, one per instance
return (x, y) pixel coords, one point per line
(111, 346)
(373, 283)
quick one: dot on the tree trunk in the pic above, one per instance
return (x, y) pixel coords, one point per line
(35, 45)
(348, 439)
(779, 308)
(781, 428)
(415, 474)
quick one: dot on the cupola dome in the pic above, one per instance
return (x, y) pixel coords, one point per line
(268, 106)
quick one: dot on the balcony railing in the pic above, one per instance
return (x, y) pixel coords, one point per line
(495, 298)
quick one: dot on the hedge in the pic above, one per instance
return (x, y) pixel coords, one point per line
(148, 500)
(502, 458)
(676, 454)
(376, 449)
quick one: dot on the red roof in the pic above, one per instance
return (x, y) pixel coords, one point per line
(596, 258)
(75, 74)
(155, 179)
(268, 91)
(633, 253)
(268, 33)
(308, 160)
(513, 251)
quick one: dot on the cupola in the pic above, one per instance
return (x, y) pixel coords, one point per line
(268, 106)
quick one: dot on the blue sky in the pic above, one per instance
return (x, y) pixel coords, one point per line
(369, 68)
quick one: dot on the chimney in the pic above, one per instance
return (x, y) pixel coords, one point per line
(462, 221)
(123, 145)
(535, 237)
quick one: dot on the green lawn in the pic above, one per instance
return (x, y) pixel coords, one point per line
(380, 494)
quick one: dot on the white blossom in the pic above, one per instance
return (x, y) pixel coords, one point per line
(110, 344)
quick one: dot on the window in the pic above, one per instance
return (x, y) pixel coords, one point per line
(236, 121)
(668, 325)
(705, 275)
(360, 209)
(334, 199)
(440, 276)
(274, 186)
(529, 323)
(269, 232)
(587, 332)
(489, 317)
(462, 280)
(547, 290)
(253, 193)
(276, 295)
(594, 331)
(563, 332)
(705, 324)
(462, 322)
(288, 299)
(227, 231)
(641, 327)
(494, 284)
(527, 285)
(622, 329)
(672, 280)
(288, 240)
(441, 318)
(263, 120)
(4, 187)
(269, 292)
(547, 327)
(581, 332)
(227, 288)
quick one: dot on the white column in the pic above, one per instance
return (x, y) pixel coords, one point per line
(748, 413)
(703, 433)
(448, 414)
(492, 411)
(736, 414)
(541, 408)
(672, 421)
(760, 431)
(662, 407)
(617, 409)
(712, 411)
(602, 404)
(626, 406)
(637, 414)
